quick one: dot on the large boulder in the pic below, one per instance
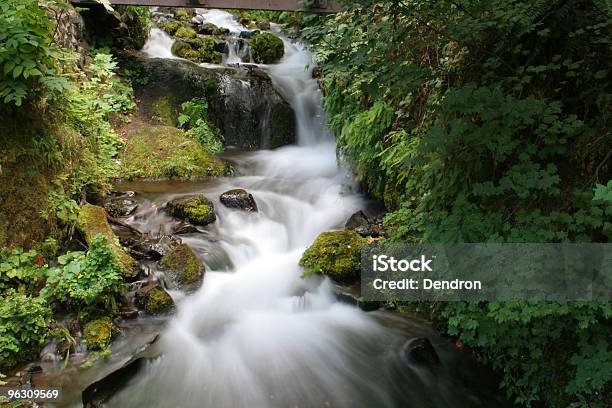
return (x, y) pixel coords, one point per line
(92, 221)
(267, 48)
(197, 210)
(336, 254)
(154, 299)
(239, 199)
(182, 262)
(242, 101)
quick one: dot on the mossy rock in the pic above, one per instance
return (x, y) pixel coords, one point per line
(201, 49)
(185, 264)
(211, 29)
(267, 48)
(184, 14)
(172, 27)
(185, 33)
(92, 221)
(263, 24)
(156, 151)
(162, 109)
(99, 333)
(153, 299)
(197, 210)
(336, 254)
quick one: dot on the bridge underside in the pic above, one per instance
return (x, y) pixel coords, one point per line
(321, 6)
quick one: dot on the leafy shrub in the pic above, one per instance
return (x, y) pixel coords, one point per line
(20, 269)
(486, 122)
(185, 32)
(87, 282)
(192, 117)
(28, 58)
(267, 48)
(24, 326)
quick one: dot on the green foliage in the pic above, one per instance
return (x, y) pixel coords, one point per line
(486, 122)
(267, 48)
(192, 117)
(172, 27)
(185, 33)
(24, 326)
(20, 269)
(28, 58)
(200, 49)
(87, 282)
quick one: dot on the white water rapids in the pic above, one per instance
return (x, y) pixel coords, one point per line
(256, 334)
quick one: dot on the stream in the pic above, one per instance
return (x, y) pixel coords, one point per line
(256, 334)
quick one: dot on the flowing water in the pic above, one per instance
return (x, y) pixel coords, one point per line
(258, 335)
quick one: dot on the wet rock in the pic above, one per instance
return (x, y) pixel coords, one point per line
(243, 103)
(96, 394)
(184, 228)
(240, 199)
(157, 247)
(154, 299)
(211, 29)
(336, 254)
(127, 312)
(364, 225)
(247, 34)
(352, 296)
(185, 265)
(121, 205)
(92, 221)
(98, 333)
(420, 351)
(197, 210)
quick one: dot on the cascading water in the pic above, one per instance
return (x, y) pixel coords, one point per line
(256, 334)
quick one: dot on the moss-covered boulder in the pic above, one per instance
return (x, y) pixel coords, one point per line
(153, 299)
(185, 33)
(263, 24)
(267, 48)
(92, 221)
(211, 29)
(184, 264)
(197, 210)
(171, 27)
(201, 49)
(98, 333)
(336, 254)
(159, 151)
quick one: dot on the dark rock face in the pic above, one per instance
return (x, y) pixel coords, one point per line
(239, 199)
(248, 34)
(420, 351)
(242, 101)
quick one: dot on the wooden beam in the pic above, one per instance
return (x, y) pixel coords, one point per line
(324, 6)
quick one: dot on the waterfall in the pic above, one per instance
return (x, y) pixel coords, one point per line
(159, 45)
(256, 334)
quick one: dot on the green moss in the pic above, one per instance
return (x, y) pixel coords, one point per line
(91, 222)
(183, 14)
(263, 24)
(197, 210)
(154, 300)
(162, 109)
(244, 18)
(183, 262)
(200, 49)
(267, 48)
(185, 32)
(336, 254)
(172, 27)
(98, 333)
(155, 151)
